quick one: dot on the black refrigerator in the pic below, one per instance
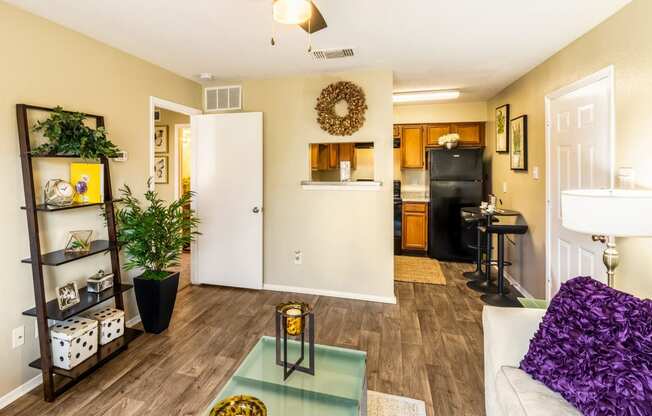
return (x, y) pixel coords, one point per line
(455, 182)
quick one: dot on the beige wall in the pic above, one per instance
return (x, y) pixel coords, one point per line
(622, 41)
(346, 236)
(48, 65)
(440, 112)
(170, 119)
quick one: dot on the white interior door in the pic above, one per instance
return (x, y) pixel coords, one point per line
(227, 175)
(579, 123)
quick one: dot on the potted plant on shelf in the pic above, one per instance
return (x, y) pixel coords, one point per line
(153, 237)
(68, 136)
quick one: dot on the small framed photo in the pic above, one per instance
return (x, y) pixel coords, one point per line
(161, 169)
(161, 141)
(502, 129)
(67, 296)
(518, 143)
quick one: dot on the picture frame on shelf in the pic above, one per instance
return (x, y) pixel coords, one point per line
(502, 129)
(518, 143)
(161, 139)
(67, 296)
(161, 169)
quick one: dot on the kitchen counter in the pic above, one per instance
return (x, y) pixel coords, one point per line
(419, 197)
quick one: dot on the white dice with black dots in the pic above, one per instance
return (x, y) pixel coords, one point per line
(73, 341)
(111, 323)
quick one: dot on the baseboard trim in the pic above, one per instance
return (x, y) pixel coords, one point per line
(332, 293)
(518, 286)
(20, 391)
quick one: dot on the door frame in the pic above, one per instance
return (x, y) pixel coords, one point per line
(178, 160)
(605, 73)
(171, 106)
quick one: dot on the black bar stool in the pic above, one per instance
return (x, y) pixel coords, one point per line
(502, 298)
(480, 245)
(485, 284)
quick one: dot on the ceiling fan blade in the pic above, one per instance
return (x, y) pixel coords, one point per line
(316, 22)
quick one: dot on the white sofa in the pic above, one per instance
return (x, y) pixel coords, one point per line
(508, 390)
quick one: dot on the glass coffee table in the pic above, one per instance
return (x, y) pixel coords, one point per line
(338, 388)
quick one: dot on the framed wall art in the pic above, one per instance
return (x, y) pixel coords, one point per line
(161, 169)
(502, 129)
(518, 143)
(161, 140)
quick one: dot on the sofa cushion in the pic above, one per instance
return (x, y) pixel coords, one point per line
(594, 346)
(521, 395)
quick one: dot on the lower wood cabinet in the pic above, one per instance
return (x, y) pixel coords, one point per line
(415, 226)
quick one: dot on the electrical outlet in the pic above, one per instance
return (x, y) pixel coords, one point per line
(35, 330)
(298, 257)
(18, 336)
(504, 187)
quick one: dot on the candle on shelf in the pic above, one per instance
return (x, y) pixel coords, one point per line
(294, 321)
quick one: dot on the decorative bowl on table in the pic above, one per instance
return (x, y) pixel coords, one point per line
(239, 406)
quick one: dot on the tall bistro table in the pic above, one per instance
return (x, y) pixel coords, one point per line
(486, 285)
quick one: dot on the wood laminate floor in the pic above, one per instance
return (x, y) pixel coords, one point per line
(428, 347)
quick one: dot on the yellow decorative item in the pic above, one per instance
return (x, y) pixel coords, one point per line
(293, 313)
(88, 180)
(240, 406)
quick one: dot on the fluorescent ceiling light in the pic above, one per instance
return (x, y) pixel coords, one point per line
(416, 96)
(292, 12)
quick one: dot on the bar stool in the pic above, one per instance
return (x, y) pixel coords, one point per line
(501, 298)
(479, 246)
(485, 284)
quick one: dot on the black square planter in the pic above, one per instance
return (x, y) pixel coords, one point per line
(156, 300)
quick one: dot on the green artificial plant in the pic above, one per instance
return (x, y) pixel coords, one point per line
(68, 135)
(154, 236)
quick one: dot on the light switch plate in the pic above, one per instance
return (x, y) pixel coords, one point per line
(504, 187)
(18, 336)
(535, 172)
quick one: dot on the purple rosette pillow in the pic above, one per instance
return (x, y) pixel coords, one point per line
(594, 347)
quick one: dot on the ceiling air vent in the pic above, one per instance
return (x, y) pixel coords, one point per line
(323, 54)
(223, 98)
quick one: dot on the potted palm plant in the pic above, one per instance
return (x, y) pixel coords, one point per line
(153, 237)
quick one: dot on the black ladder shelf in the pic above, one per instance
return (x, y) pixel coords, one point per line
(44, 310)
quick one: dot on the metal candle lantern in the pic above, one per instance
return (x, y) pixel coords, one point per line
(291, 321)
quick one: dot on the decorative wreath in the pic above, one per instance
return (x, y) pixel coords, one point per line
(333, 94)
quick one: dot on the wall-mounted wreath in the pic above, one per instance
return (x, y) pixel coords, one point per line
(333, 123)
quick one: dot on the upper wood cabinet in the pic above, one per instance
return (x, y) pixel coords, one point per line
(434, 132)
(412, 147)
(471, 134)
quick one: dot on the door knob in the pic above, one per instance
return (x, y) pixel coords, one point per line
(256, 210)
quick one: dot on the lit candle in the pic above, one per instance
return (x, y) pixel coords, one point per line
(294, 321)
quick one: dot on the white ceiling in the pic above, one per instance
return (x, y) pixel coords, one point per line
(477, 46)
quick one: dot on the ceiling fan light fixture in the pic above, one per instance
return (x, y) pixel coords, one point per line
(292, 12)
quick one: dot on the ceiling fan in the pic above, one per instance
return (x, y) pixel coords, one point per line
(303, 13)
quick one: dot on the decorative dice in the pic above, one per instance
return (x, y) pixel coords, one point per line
(111, 323)
(73, 341)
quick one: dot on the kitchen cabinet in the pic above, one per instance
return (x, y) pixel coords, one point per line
(333, 156)
(347, 153)
(471, 134)
(435, 131)
(412, 147)
(415, 226)
(314, 156)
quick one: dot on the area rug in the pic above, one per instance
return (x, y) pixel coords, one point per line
(418, 270)
(381, 404)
